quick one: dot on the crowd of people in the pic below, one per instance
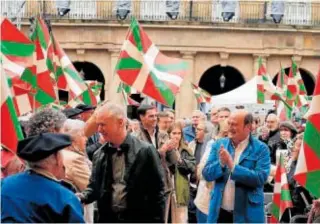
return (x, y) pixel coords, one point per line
(88, 164)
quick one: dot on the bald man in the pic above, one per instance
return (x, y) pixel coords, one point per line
(239, 165)
(127, 177)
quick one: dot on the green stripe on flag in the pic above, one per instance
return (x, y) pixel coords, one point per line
(128, 63)
(14, 118)
(59, 72)
(49, 65)
(16, 49)
(275, 211)
(265, 78)
(313, 183)
(41, 36)
(312, 137)
(136, 33)
(74, 75)
(172, 67)
(29, 77)
(86, 97)
(164, 90)
(285, 195)
(43, 98)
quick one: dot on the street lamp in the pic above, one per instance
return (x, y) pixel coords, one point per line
(222, 81)
(123, 9)
(63, 7)
(277, 10)
(173, 8)
(228, 9)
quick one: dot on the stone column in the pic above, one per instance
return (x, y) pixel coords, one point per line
(185, 99)
(114, 80)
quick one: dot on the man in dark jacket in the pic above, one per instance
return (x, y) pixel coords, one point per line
(127, 178)
(273, 141)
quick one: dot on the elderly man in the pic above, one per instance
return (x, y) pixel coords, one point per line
(240, 166)
(189, 132)
(47, 120)
(36, 195)
(274, 139)
(127, 178)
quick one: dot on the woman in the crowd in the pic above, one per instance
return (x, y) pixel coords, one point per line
(180, 171)
(255, 126)
(202, 199)
(287, 132)
(77, 165)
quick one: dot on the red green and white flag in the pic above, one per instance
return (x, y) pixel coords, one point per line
(11, 131)
(201, 95)
(44, 86)
(281, 195)
(17, 60)
(142, 66)
(91, 96)
(67, 77)
(16, 49)
(308, 167)
(266, 90)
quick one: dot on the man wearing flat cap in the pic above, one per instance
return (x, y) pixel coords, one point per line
(36, 195)
(72, 113)
(87, 111)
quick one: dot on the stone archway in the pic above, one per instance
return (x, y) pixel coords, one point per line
(213, 82)
(306, 77)
(91, 72)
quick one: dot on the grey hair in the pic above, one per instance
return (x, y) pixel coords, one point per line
(47, 120)
(44, 163)
(72, 127)
(115, 110)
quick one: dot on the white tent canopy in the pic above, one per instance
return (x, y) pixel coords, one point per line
(244, 94)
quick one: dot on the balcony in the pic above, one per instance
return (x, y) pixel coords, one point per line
(246, 12)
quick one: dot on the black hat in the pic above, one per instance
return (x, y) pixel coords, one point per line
(84, 107)
(72, 112)
(41, 146)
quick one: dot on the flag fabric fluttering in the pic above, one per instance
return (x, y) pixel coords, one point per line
(11, 131)
(91, 96)
(67, 77)
(142, 66)
(281, 195)
(43, 86)
(266, 90)
(17, 60)
(308, 166)
(201, 95)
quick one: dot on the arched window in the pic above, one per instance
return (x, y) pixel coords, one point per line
(306, 77)
(219, 79)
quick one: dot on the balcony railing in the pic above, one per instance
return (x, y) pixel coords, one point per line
(295, 12)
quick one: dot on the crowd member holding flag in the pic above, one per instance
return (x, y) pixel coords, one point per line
(239, 165)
